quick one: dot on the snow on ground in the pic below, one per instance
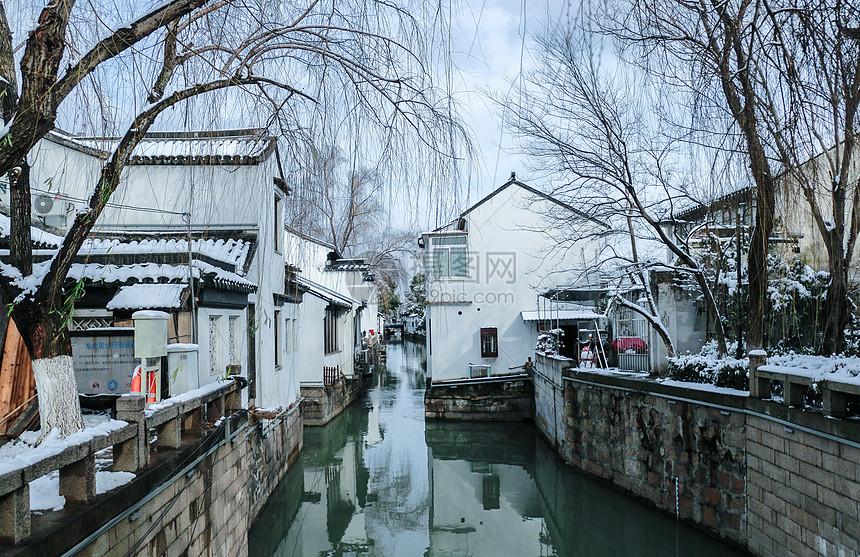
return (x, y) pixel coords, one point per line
(45, 491)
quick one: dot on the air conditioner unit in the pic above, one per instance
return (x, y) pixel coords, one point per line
(51, 208)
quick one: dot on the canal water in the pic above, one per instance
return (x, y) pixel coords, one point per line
(379, 481)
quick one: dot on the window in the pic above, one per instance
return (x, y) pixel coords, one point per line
(449, 256)
(290, 341)
(214, 344)
(279, 222)
(489, 342)
(330, 331)
(277, 331)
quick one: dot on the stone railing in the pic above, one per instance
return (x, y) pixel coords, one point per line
(795, 381)
(128, 434)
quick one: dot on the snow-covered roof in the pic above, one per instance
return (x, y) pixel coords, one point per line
(231, 251)
(39, 236)
(229, 147)
(141, 295)
(560, 314)
(159, 273)
(326, 294)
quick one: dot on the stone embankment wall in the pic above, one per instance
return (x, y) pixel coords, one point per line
(322, 404)
(210, 511)
(776, 480)
(549, 397)
(495, 399)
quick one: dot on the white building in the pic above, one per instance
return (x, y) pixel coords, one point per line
(486, 272)
(202, 185)
(338, 307)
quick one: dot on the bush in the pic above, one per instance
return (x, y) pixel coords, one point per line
(705, 367)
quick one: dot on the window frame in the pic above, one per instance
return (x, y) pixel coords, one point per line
(490, 334)
(443, 246)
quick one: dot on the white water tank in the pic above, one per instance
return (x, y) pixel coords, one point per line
(182, 368)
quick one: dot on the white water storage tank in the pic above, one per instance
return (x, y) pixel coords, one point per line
(182, 368)
(150, 334)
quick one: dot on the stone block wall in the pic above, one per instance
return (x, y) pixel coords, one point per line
(549, 397)
(648, 444)
(495, 399)
(776, 480)
(803, 491)
(210, 512)
(322, 404)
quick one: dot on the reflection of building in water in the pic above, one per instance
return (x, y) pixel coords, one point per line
(331, 519)
(483, 495)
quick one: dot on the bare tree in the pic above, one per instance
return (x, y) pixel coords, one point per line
(713, 54)
(585, 126)
(272, 52)
(818, 65)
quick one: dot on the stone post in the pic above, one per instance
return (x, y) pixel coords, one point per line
(15, 515)
(759, 387)
(170, 433)
(131, 455)
(78, 481)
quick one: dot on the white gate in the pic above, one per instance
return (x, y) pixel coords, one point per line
(631, 342)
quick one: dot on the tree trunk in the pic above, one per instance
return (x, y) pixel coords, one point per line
(835, 305)
(46, 337)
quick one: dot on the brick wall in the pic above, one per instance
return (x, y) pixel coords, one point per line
(803, 490)
(496, 399)
(209, 513)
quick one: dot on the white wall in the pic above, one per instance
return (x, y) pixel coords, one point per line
(218, 197)
(511, 261)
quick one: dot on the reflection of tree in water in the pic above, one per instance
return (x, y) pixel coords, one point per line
(339, 510)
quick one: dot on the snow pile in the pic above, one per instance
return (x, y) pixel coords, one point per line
(23, 452)
(706, 367)
(184, 397)
(844, 369)
(45, 491)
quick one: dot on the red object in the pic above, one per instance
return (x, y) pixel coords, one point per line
(371, 332)
(150, 391)
(135, 380)
(623, 344)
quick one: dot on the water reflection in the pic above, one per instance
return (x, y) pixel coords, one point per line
(375, 481)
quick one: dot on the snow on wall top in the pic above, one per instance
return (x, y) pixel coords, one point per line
(250, 146)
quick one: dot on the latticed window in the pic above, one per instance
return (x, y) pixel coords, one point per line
(214, 344)
(450, 258)
(233, 339)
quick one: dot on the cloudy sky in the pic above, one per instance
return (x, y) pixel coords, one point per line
(492, 43)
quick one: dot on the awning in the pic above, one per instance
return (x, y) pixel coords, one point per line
(148, 296)
(327, 294)
(561, 315)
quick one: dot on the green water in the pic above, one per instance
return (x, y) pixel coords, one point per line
(377, 480)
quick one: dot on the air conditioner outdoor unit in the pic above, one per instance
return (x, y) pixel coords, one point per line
(51, 208)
